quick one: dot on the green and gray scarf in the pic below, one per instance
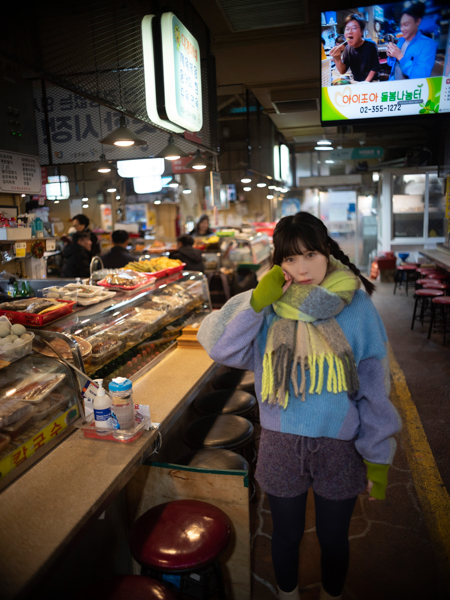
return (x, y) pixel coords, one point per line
(305, 333)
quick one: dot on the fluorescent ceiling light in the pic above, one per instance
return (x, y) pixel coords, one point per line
(329, 162)
(85, 205)
(56, 202)
(122, 136)
(319, 148)
(117, 197)
(375, 176)
(141, 167)
(85, 199)
(246, 180)
(261, 184)
(23, 195)
(112, 189)
(324, 143)
(276, 162)
(284, 190)
(247, 189)
(269, 196)
(157, 202)
(147, 185)
(187, 191)
(57, 188)
(272, 187)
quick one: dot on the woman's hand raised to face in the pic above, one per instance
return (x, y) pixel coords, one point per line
(288, 279)
(269, 289)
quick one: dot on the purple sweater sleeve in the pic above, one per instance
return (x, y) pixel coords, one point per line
(378, 417)
(228, 335)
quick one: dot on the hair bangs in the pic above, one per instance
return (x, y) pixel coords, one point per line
(292, 236)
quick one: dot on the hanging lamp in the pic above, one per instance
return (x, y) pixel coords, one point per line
(122, 136)
(198, 162)
(171, 151)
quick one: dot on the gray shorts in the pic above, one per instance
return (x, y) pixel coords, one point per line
(288, 465)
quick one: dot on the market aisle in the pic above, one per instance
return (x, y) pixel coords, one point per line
(394, 554)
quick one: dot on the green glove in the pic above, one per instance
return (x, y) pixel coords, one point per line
(378, 475)
(268, 290)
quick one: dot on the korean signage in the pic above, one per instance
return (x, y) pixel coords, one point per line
(76, 126)
(371, 100)
(19, 173)
(21, 453)
(182, 74)
(364, 153)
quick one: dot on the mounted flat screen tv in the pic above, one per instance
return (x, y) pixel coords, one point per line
(385, 60)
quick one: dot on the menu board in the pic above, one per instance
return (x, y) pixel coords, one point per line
(19, 173)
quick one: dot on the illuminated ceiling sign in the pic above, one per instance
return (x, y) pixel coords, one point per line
(152, 60)
(58, 188)
(172, 72)
(141, 167)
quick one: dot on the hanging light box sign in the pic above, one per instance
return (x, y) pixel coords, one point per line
(141, 167)
(172, 73)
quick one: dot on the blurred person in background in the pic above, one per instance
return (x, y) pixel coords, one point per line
(118, 256)
(188, 254)
(202, 227)
(81, 224)
(77, 256)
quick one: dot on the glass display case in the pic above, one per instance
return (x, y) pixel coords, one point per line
(129, 335)
(39, 404)
(250, 250)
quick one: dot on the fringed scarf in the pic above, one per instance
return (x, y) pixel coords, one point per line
(305, 334)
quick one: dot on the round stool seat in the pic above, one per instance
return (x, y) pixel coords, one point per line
(211, 458)
(218, 431)
(425, 281)
(442, 300)
(235, 380)
(407, 267)
(438, 275)
(182, 535)
(125, 587)
(225, 402)
(428, 293)
(424, 270)
(436, 285)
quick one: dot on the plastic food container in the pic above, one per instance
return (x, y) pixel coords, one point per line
(127, 332)
(37, 387)
(103, 348)
(39, 320)
(83, 291)
(12, 410)
(44, 408)
(61, 293)
(16, 428)
(12, 352)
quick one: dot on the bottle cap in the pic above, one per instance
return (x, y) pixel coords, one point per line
(101, 390)
(120, 384)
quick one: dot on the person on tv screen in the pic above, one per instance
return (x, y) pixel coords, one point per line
(415, 53)
(359, 55)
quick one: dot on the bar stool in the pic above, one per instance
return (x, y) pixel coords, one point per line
(215, 459)
(235, 379)
(405, 273)
(436, 285)
(228, 432)
(127, 587)
(426, 270)
(225, 402)
(438, 275)
(182, 536)
(444, 303)
(422, 297)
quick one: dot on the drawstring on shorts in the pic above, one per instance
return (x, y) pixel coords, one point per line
(312, 446)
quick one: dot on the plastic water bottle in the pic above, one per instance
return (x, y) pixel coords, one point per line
(120, 390)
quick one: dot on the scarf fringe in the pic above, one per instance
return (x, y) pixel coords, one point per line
(275, 387)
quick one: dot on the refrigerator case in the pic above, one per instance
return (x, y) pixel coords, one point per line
(129, 336)
(39, 404)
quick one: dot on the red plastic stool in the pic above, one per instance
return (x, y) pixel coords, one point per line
(435, 285)
(181, 537)
(128, 587)
(438, 275)
(423, 296)
(426, 270)
(404, 273)
(444, 303)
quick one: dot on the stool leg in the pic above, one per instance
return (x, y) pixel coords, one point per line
(221, 592)
(444, 318)
(406, 283)
(414, 313)
(433, 315)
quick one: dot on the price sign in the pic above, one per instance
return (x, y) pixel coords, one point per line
(21, 249)
(50, 245)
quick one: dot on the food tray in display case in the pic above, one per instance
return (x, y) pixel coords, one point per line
(31, 426)
(126, 281)
(36, 320)
(104, 348)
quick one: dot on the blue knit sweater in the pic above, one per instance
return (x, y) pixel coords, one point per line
(236, 336)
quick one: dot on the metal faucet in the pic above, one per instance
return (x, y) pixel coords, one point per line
(91, 267)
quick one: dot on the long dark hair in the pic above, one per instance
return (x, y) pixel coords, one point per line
(307, 230)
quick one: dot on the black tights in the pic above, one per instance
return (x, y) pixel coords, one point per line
(332, 525)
